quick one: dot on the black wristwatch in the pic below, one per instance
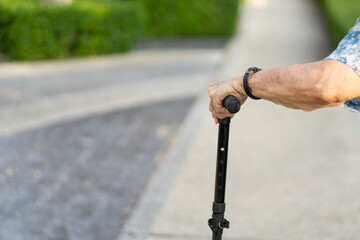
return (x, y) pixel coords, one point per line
(247, 88)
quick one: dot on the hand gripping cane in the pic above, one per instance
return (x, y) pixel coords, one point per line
(217, 223)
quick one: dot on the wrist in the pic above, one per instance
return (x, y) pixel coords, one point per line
(237, 83)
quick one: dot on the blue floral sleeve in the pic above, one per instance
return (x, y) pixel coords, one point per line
(348, 52)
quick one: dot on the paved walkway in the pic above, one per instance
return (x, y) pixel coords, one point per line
(33, 95)
(292, 175)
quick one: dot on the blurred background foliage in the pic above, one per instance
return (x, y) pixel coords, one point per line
(31, 30)
(190, 18)
(341, 16)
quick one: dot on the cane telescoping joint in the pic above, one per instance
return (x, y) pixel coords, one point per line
(217, 223)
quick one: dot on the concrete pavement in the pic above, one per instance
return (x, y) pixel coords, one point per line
(33, 95)
(292, 175)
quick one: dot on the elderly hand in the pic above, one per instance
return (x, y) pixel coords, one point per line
(217, 93)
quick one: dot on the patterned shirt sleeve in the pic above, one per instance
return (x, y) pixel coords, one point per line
(348, 52)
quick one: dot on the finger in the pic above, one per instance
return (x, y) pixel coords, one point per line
(214, 84)
(211, 108)
(220, 115)
(211, 92)
(216, 120)
(220, 109)
(212, 88)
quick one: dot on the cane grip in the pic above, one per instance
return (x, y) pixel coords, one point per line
(232, 104)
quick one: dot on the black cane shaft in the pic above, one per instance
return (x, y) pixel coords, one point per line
(222, 151)
(217, 223)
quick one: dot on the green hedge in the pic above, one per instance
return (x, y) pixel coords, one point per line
(29, 30)
(341, 16)
(190, 17)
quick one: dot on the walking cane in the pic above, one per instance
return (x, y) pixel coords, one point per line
(217, 223)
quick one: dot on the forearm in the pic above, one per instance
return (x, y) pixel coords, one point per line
(307, 86)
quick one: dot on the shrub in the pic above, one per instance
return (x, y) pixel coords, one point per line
(341, 16)
(190, 17)
(31, 30)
